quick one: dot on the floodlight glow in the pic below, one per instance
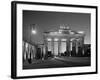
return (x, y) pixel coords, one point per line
(81, 32)
(26, 45)
(60, 31)
(48, 39)
(72, 39)
(34, 31)
(63, 39)
(55, 39)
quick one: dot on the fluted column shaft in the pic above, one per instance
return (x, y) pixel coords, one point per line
(68, 46)
(52, 44)
(76, 46)
(59, 47)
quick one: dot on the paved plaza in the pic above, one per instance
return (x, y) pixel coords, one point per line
(57, 62)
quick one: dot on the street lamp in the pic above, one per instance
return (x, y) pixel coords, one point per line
(33, 28)
(33, 31)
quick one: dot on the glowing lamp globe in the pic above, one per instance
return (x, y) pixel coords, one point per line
(33, 31)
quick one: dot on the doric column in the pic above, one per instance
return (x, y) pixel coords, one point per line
(83, 41)
(83, 45)
(80, 41)
(28, 51)
(74, 41)
(46, 47)
(68, 46)
(52, 44)
(76, 46)
(59, 47)
(73, 47)
(44, 51)
(80, 46)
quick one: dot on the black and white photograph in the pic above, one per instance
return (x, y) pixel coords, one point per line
(53, 39)
(56, 39)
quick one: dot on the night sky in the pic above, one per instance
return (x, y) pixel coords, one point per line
(46, 21)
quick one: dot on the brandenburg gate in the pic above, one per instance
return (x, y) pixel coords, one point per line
(64, 40)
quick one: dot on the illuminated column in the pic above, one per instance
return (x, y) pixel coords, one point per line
(44, 52)
(74, 41)
(59, 47)
(83, 45)
(79, 43)
(33, 51)
(71, 44)
(82, 41)
(76, 46)
(46, 47)
(73, 47)
(52, 44)
(28, 51)
(55, 46)
(68, 46)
